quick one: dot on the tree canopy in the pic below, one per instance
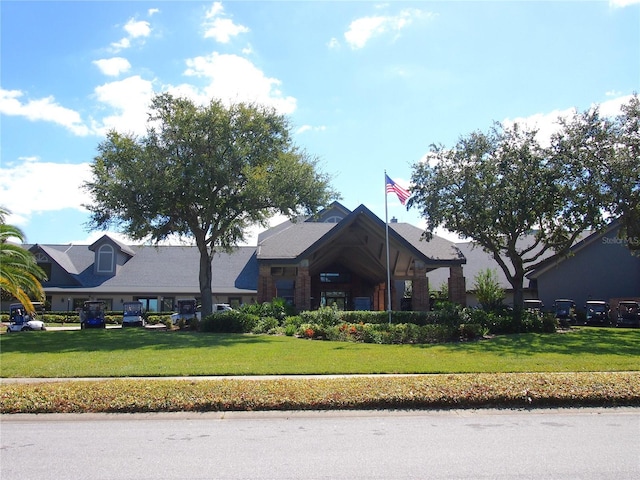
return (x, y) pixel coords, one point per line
(203, 172)
(20, 275)
(498, 187)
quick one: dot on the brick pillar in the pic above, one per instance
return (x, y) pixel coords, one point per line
(303, 287)
(420, 288)
(266, 285)
(379, 296)
(457, 286)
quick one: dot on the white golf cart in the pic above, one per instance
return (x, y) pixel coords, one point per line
(22, 321)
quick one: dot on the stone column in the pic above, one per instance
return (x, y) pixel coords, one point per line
(457, 286)
(266, 285)
(420, 288)
(303, 287)
(379, 296)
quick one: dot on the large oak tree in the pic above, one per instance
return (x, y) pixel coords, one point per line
(498, 187)
(207, 173)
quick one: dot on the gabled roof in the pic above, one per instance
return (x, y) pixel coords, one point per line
(479, 260)
(588, 238)
(107, 239)
(59, 257)
(358, 242)
(156, 270)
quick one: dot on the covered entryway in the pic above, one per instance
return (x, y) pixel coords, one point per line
(344, 263)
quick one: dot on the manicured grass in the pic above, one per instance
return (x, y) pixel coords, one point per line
(138, 352)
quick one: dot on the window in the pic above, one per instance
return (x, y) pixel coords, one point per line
(108, 303)
(148, 304)
(286, 289)
(105, 260)
(166, 305)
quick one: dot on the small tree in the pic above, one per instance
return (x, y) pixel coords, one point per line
(488, 290)
(207, 173)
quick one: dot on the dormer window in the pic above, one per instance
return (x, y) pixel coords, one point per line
(105, 259)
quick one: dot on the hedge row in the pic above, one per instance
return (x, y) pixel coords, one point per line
(451, 323)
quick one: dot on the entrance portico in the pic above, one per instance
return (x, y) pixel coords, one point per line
(343, 262)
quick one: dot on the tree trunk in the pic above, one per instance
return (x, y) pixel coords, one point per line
(205, 281)
(518, 298)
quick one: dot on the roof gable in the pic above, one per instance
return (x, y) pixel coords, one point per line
(119, 246)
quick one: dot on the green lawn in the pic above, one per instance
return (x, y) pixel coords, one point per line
(138, 352)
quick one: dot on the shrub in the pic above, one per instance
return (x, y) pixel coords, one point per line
(324, 316)
(488, 290)
(233, 321)
(549, 323)
(294, 321)
(470, 331)
(265, 325)
(278, 308)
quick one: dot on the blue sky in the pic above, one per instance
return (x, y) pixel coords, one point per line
(368, 86)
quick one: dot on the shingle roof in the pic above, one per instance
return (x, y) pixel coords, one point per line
(291, 241)
(160, 269)
(437, 248)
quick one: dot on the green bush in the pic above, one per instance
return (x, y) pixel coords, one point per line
(232, 321)
(294, 321)
(488, 290)
(155, 319)
(278, 308)
(471, 331)
(265, 325)
(324, 316)
(549, 323)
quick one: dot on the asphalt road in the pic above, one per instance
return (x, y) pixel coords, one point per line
(584, 444)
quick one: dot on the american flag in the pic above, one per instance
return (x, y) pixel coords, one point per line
(393, 187)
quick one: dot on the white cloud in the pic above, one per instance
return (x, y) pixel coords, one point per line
(121, 45)
(364, 29)
(310, 128)
(153, 11)
(333, 44)
(130, 97)
(220, 28)
(547, 123)
(233, 78)
(113, 66)
(135, 29)
(28, 186)
(43, 109)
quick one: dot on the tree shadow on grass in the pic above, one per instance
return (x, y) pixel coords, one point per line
(592, 341)
(120, 339)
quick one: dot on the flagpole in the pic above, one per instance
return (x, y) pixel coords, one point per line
(386, 226)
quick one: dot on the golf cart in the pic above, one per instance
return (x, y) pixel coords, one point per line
(92, 315)
(186, 311)
(132, 315)
(22, 321)
(533, 306)
(565, 311)
(628, 314)
(597, 313)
